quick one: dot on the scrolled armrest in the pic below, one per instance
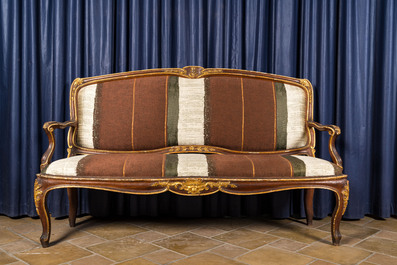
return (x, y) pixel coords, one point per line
(49, 128)
(334, 131)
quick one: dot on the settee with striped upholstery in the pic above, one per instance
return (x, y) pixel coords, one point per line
(191, 131)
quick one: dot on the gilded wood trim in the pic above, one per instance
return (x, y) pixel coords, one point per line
(334, 132)
(190, 72)
(49, 128)
(193, 186)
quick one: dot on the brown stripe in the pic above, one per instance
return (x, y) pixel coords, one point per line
(259, 121)
(275, 117)
(102, 165)
(133, 115)
(166, 111)
(149, 117)
(253, 166)
(125, 162)
(163, 165)
(242, 115)
(143, 165)
(224, 112)
(229, 165)
(270, 166)
(112, 116)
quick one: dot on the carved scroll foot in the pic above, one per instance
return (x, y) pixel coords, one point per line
(309, 206)
(342, 197)
(72, 194)
(41, 207)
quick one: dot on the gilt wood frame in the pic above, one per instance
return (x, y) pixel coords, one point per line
(190, 186)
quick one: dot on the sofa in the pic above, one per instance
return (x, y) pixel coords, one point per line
(191, 131)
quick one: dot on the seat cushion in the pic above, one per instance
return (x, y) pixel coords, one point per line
(152, 165)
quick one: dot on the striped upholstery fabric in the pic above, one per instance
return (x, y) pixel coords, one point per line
(238, 113)
(192, 165)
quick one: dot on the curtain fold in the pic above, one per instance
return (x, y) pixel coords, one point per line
(347, 49)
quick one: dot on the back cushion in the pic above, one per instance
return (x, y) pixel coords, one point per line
(246, 114)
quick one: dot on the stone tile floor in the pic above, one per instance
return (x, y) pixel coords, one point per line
(149, 241)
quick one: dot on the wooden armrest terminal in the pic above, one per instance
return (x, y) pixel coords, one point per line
(333, 131)
(49, 130)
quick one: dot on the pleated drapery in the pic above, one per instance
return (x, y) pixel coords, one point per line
(346, 48)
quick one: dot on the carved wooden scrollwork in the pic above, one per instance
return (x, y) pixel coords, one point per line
(194, 186)
(37, 194)
(194, 71)
(191, 148)
(345, 194)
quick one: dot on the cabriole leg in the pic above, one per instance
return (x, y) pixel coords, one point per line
(342, 198)
(41, 207)
(73, 199)
(309, 205)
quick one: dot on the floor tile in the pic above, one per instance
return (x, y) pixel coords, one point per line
(7, 236)
(346, 240)
(208, 231)
(389, 224)
(336, 254)
(288, 244)
(6, 259)
(246, 238)
(115, 230)
(207, 259)
(382, 259)
(229, 251)
(86, 241)
(170, 228)
(163, 256)
(57, 254)
(381, 245)
(261, 227)
(19, 246)
(187, 243)
(94, 259)
(123, 249)
(387, 235)
(352, 230)
(227, 224)
(321, 262)
(300, 233)
(57, 235)
(149, 236)
(273, 256)
(138, 261)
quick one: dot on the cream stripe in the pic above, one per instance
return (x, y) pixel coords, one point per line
(316, 166)
(194, 165)
(85, 116)
(191, 111)
(296, 105)
(275, 116)
(65, 166)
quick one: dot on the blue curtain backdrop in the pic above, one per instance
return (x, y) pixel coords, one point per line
(348, 49)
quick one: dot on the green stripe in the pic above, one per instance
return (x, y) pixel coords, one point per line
(298, 166)
(282, 116)
(173, 111)
(171, 165)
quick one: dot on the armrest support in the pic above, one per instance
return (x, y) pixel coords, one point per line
(334, 131)
(49, 128)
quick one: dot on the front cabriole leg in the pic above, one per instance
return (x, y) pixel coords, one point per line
(40, 195)
(342, 197)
